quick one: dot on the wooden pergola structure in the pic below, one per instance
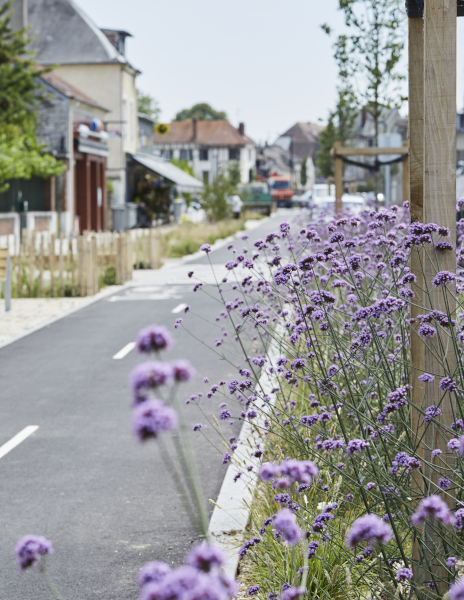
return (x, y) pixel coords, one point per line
(339, 153)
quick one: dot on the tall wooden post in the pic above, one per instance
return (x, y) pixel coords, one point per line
(338, 176)
(432, 47)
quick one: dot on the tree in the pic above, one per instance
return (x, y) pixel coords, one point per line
(234, 172)
(215, 198)
(304, 171)
(202, 112)
(368, 55)
(339, 128)
(183, 165)
(147, 105)
(21, 156)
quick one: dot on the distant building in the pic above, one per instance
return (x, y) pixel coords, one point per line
(285, 156)
(76, 200)
(93, 60)
(209, 146)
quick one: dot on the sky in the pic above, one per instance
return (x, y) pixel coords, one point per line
(264, 62)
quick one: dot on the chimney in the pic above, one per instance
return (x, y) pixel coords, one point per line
(195, 121)
(241, 128)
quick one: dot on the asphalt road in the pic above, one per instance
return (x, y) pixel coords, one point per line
(107, 502)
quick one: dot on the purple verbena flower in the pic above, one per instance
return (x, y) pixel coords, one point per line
(404, 574)
(443, 278)
(205, 248)
(182, 370)
(153, 338)
(152, 417)
(432, 506)
(148, 376)
(253, 590)
(285, 523)
(368, 528)
(28, 549)
(456, 591)
(205, 557)
(152, 572)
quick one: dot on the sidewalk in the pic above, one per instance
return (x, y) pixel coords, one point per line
(28, 314)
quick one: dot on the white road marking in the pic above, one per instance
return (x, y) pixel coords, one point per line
(17, 439)
(179, 308)
(125, 351)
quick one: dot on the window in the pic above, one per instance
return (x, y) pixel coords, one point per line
(167, 154)
(205, 176)
(185, 155)
(234, 153)
(204, 154)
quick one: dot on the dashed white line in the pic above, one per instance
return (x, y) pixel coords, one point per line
(179, 308)
(17, 439)
(124, 351)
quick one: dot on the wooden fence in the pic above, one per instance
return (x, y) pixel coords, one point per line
(45, 265)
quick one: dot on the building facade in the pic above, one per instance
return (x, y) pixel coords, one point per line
(70, 127)
(209, 146)
(93, 60)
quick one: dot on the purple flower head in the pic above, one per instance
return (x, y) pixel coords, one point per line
(436, 452)
(182, 370)
(456, 591)
(28, 549)
(453, 444)
(431, 412)
(451, 561)
(356, 446)
(443, 278)
(148, 376)
(426, 330)
(444, 483)
(226, 458)
(205, 248)
(433, 506)
(368, 528)
(425, 378)
(253, 590)
(205, 557)
(447, 385)
(292, 592)
(268, 471)
(197, 427)
(285, 523)
(404, 574)
(302, 471)
(284, 228)
(153, 338)
(153, 572)
(152, 417)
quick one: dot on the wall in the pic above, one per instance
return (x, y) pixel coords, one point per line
(52, 123)
(105, 83)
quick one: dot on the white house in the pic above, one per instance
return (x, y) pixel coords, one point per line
(209, 146)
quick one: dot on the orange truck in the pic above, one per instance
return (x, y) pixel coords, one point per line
(281, 191)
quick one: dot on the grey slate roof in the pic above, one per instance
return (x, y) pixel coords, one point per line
(64, 34)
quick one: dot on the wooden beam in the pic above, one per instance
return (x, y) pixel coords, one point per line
(416, 205)
(372, 151)
(439, 198)
(338, 176)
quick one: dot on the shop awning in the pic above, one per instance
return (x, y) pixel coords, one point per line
(161, 166)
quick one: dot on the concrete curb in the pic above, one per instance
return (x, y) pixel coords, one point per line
(233, 505)
(92, 300)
